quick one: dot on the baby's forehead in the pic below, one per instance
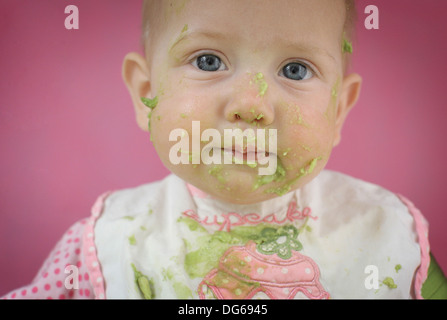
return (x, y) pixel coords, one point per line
(167, 10)
(164, 13)
(320, 22)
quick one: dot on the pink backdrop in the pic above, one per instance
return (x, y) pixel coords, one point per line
(67, 128)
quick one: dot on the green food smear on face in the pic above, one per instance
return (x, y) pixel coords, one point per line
(296, 116)
(304, 171)
(397, 267)
(347, 46)
(151, 104)
(251, 165)
(179, 37)
(143, 283)
(262, 84)
(276, 177)
(334, 92)
(311, 167)
(286, 151)
(257, 117)
(307, 148)
(389, 282)
(233, 160)
(216, 171)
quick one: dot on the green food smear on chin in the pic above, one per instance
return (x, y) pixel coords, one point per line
(278, 176)
(216, 171)
(304, 171)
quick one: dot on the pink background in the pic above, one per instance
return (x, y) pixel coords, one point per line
(67, 128)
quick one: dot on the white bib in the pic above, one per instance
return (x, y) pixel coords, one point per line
(337, 237)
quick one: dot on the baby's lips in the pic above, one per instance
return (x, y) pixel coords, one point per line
(246, 154)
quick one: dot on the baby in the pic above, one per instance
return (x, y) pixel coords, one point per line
(244, 102)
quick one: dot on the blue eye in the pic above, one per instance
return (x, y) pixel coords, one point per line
(296, 71)
(209, 62)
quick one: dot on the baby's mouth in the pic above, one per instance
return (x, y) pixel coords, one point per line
(245, 155)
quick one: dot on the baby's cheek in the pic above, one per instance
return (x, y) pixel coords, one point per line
(311, 138)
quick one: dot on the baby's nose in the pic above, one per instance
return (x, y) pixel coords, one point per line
(250, 102)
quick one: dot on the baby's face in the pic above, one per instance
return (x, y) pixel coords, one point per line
(249, 65)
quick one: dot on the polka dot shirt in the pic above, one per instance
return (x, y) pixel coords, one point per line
(72, 270)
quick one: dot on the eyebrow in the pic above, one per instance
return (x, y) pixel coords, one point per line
(185, 35)
(212, 35)
(309, 48)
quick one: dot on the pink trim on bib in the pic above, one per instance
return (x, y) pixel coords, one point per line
(89, 249)
(421, 226)
(195, 192)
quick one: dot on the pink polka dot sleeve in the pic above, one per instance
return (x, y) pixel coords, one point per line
(72, 270)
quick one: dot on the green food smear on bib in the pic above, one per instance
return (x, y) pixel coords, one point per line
(389, 282)
(181, 290)
(132, 240)
(143, 283)
(204, 255)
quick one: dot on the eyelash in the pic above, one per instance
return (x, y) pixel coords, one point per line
(299, 62)
(193, 61)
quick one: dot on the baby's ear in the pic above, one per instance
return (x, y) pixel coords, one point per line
(349, 93)
(135, 74)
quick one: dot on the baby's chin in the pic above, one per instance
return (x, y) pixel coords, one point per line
(238, 184)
